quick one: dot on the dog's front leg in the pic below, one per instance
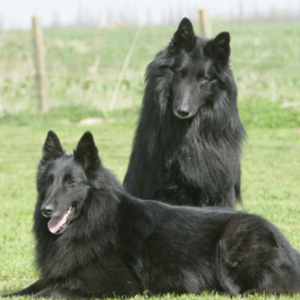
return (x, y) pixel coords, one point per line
(30, 290)
(56, 293)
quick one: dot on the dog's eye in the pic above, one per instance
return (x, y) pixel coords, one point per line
(180, 75)
(203, 79)
(70, 182)
(49, 181)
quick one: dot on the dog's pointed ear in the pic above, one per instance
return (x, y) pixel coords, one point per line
(86, 151)
(52, 148)
(184, 37)
(219, 47)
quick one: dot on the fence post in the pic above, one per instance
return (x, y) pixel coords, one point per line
(205, 23)
(1, 45)
(40, 69)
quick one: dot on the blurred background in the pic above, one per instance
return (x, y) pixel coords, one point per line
(15, 14)
(95, 53)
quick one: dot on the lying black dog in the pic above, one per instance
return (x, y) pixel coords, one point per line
(94, 240)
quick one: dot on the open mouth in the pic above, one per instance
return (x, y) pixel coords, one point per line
(57, 225)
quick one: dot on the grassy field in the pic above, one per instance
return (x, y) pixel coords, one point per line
(265, 59)
(83, 65)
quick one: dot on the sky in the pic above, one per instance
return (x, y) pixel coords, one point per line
(17, 14)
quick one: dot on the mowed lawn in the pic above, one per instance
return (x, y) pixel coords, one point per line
(267, 73)
(270, 183)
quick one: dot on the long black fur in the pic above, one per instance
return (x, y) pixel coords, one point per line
(118, 245)
(187, 145)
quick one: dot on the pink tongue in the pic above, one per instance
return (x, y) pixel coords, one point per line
(57, 223)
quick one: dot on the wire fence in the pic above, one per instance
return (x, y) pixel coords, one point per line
(96, 67)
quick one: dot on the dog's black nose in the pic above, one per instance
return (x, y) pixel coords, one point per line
(182, 113)
(47, 210)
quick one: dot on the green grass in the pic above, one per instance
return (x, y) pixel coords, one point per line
(271, 172)
(265, 60)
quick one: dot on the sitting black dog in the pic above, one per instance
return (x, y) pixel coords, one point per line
(188, 142)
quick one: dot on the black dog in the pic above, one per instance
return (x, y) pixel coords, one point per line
(102, 242)
(188, 141)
